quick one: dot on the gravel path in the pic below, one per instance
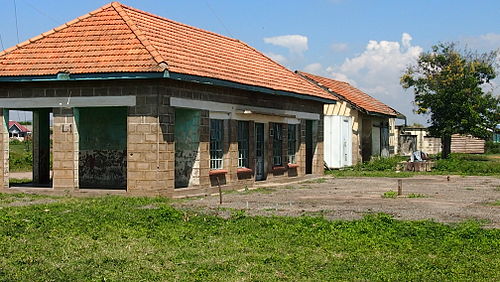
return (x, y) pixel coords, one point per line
(456, 200)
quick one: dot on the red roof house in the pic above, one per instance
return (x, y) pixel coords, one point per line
(150, 105)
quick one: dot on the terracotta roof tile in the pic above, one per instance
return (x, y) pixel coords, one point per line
(352, 94)
(118, 38)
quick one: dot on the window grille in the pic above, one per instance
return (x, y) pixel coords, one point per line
(277, 132)
(242, 143)
(292, 143)
(216, 143)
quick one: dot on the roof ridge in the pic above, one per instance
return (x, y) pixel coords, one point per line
(162, 63)
(372, 101)
(176, 22)
(307, 76)
(54, 30)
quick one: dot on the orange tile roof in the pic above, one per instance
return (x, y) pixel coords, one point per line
(353, 95)
(117, 38)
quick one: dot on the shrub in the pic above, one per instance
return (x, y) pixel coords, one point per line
(390, 194)
(492, 147)
(468, 164)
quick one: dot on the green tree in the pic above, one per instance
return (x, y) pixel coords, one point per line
(449, 85)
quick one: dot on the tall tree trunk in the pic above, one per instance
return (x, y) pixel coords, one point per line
(446, 142)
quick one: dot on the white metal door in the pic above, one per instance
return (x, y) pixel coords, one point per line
(346, 149)
(338, 141)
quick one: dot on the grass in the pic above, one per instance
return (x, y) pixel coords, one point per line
(115, 238)
(20, 180)
(315, 181)
(390, 194)
(414, 195)
(457, 164)
(495, 203)
(20, 156)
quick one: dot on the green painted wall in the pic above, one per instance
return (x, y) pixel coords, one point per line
(103, 147)
(187, 140)
(102, 128)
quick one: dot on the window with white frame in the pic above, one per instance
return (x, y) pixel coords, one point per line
(216, 143)
(242, 143)
(277, 132)
(292, 143)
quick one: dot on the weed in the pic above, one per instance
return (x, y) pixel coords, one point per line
(413, 195)
(315, 181)
(390, 194)
(495, 203)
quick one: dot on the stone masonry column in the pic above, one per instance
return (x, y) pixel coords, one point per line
(4, 149)
(41, 146)
(150, 145)
(65, 149)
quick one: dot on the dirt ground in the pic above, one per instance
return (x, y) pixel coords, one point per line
(459, 199)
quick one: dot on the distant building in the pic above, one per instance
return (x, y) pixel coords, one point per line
(356, 128)
(18, 131)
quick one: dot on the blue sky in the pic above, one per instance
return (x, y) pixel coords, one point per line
(366, 43)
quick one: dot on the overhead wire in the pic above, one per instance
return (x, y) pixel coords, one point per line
(41, 12)
(1, 42)
(15, 15)
(219, 19)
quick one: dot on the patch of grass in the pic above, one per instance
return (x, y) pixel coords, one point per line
(390, 194)
(315, 181)
(263, 190)
(20, 156)
(495, 203)
(111, 238)
(358, 173)
(457, 164)
(414, 195)
(468, 164)
(469, 188)
(20, 180)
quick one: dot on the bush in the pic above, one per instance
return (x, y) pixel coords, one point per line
(380, 164)
(390, 194)
(468, 164)
(492, 147)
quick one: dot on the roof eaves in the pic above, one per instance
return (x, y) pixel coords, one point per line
(52, 31)
(162, 63)
(237, 85)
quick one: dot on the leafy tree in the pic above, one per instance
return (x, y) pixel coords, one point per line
(449, 85)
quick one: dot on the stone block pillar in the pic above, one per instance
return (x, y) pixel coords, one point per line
(41, 147)
(65, 150)
(4, 149)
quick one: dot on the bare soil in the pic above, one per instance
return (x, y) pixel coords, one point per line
(456, 200)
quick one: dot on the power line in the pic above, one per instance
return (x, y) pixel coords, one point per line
(41, 12)
(1, 42)
(15, 14)
(219, 19)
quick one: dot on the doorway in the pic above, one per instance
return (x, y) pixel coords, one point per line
(29, 147)
(309, 146)
(259, 152)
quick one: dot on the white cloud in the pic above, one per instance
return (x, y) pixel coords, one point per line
(406, 40)
(277, 58)
(296, 44)
(314, 68)
(339, 47)
(484, 42)
(378, 69)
